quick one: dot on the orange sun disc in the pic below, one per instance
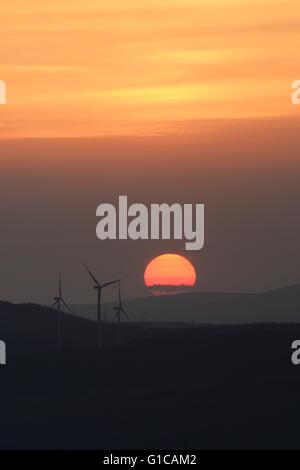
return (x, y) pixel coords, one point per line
(170, 270)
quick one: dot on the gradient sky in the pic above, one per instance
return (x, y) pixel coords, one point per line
(85, 68)
(164, 101)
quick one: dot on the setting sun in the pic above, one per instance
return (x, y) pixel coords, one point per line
(170, 270)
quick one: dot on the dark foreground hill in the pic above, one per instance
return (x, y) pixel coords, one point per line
(209, 387)
(31, 327)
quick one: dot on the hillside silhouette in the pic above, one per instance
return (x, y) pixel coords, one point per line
(210, 387)
(197, 387)
(31, 327)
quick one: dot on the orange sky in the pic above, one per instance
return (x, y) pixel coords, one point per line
(114, 67)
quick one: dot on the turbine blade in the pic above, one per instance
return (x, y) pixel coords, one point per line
(67, 306)
(111, 282)
(53, 305)
(92, 275)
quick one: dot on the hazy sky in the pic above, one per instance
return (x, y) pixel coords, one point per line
(165, 101)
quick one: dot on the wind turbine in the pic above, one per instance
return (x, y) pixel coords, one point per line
(59, 301)
(98, 287)
(119, 310)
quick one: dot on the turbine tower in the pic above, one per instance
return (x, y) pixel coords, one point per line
(98, 287)
(59, 301)
(119, 310)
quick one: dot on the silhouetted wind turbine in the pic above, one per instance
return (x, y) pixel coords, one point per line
(119, 310)
(59, 301)
(98, 287)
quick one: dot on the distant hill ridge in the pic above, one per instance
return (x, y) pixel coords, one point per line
(278, 305)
